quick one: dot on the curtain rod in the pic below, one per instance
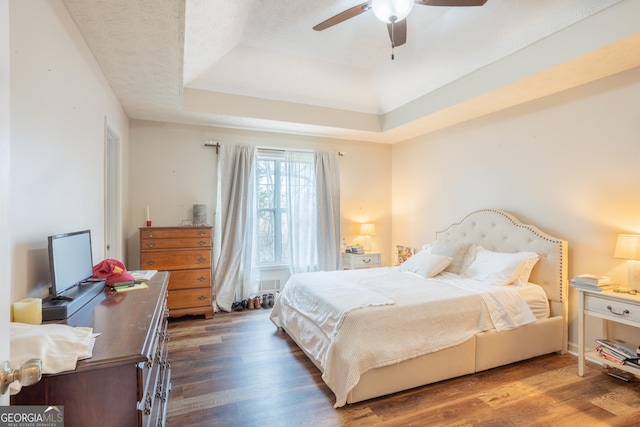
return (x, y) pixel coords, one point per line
(216, 145)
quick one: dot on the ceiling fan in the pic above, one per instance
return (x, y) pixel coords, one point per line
(393, 13)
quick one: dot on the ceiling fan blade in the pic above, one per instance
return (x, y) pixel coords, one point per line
(343, 16)
(399, 35)
(451, 3)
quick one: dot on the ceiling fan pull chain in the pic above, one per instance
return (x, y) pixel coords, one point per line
(393, 40)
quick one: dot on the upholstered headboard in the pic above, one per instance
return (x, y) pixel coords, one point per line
(500, 231)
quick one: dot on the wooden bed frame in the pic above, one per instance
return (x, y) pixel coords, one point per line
(497, 231)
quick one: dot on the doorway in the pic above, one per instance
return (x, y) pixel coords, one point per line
(112, 193)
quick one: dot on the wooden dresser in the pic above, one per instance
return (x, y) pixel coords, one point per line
(127, 380)
(187, 253)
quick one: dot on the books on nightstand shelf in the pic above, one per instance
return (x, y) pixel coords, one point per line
(617, 351)
(592, 282)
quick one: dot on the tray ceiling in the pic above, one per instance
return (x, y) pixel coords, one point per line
(257, 64)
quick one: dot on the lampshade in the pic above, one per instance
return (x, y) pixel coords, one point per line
(628, 247)
(389, 11)
(368, 229)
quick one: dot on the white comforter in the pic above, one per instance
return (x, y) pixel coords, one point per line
(406, 316)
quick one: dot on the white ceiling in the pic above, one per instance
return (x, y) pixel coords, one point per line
(257, 64)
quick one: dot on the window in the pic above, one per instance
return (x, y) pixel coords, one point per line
(283, 180)
(273, 244)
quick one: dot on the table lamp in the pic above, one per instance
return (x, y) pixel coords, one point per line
(367, 230)
(628, 247)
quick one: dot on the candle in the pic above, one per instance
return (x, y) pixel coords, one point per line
(147, 217)
(29, 310)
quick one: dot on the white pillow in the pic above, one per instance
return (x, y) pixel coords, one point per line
(530, 261)
(496, 268)
(470, 256)
(425, 264)
(454, 250)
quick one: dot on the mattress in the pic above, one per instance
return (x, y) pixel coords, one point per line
(431, 314)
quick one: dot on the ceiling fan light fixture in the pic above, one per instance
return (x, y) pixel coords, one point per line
(390, 11)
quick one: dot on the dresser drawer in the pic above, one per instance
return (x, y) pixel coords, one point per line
(189, 298)
(186, 242)
(188, 279)
(171, 233)
(613, 307)
(176, 259)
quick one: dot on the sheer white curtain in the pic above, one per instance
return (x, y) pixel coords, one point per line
(236, 269)
(313, 198)
(328, 201)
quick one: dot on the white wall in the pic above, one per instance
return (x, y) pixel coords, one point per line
(567, 163)
(59, 102)
(171, 171)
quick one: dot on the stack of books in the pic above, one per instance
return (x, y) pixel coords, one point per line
(592, 282)
(142, 275)
(355, 250)
(617, 351)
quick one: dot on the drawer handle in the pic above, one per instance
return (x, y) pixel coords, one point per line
(150, 262)
(151, 234)
(202, 297)
(202, 233)
(201, 259)
(201, 279)
(147, 404)
(624, 313)
(159, 392)
(151, 245)
(202, 243)
(366, 261)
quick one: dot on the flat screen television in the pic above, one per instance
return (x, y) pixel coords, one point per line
(70, 261)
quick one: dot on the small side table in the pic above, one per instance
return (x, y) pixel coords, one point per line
(611, 307)
(357, 261)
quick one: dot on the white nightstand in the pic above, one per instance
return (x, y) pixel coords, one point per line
(366, 260)
(612, 307)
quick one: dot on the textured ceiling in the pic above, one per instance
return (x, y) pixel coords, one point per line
(257, 64)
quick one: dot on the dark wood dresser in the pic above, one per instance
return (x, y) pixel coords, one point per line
(127, 380)
(187, 253)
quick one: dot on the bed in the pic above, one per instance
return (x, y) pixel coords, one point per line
(343, 320)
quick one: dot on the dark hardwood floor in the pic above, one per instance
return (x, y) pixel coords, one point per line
(237, 369)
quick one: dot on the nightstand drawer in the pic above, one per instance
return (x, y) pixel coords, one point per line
(366, 260)
(617, 307)
(355, 261)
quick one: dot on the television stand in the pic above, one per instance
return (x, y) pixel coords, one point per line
(62, 306)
